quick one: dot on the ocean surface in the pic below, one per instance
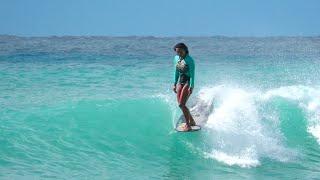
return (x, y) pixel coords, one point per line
(103, 108)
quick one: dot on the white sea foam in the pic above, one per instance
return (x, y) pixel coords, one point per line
(246, 158)
(243, 132)
(309, 101)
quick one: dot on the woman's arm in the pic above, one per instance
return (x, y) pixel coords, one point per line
(192, 69)
(176, 73)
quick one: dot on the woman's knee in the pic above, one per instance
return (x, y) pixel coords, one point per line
(182, 105)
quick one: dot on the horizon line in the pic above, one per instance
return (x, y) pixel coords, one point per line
(155, 36)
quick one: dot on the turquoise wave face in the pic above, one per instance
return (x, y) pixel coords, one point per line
(103, 108)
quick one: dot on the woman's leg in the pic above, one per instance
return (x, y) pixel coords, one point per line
(180, 88)
(191, 120)
(184, 95)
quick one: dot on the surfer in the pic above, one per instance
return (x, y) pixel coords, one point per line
(184, 72)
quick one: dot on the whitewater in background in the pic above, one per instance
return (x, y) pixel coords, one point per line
(103, 108)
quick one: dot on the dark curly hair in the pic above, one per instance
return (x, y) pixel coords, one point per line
(182, 46)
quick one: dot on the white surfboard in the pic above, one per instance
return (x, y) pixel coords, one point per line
(181, 123)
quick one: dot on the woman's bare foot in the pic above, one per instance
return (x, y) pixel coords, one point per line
(186, 127)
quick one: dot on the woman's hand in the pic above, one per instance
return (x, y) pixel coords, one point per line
(174, 89)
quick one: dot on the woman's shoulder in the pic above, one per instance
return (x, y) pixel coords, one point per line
(190, 58)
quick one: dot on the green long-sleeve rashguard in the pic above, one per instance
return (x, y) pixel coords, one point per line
(190, 62)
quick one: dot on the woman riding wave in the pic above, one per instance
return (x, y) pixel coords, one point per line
(184, 68)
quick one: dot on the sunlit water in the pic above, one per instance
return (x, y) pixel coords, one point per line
(103, 108)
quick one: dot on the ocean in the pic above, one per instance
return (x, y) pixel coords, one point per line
(97, 107)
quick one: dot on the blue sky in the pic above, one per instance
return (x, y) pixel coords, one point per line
(160, 17)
